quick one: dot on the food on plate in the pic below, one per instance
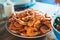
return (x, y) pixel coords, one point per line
(29, 23)
(57, 23)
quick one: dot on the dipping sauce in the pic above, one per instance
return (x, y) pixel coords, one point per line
(57, 23)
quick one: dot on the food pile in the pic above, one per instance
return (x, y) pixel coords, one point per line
(29, 23)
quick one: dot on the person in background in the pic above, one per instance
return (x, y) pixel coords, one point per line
(57, 2)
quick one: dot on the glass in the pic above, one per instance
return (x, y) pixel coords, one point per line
(8, 8)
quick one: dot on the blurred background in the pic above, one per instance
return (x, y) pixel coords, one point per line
(43, 1)
(53, 2)
(18, 2)
(47, 1)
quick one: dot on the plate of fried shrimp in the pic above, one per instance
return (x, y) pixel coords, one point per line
(29, 23)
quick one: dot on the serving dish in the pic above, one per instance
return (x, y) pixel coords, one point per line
(44, 26)
(56, 32)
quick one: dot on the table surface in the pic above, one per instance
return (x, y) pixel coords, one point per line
(47, 8)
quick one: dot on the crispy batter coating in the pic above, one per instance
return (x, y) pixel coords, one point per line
(29, 23)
